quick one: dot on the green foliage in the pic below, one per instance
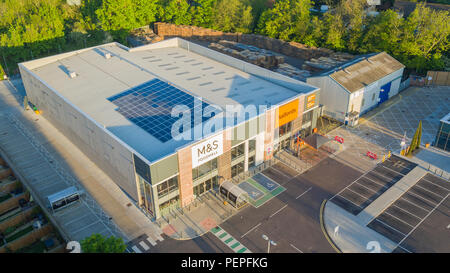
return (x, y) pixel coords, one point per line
(232, 16)
(415, 142)
(176, 12)
(98, 243)
(2, 73)
(287, 20)
(35, 28)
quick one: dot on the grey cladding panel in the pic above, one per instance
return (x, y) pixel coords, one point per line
(142, 168)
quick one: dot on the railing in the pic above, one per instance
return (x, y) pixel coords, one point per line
(254, 170)
(438, 172)
(70, 180)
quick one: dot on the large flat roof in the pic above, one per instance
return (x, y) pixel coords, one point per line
(218, 79)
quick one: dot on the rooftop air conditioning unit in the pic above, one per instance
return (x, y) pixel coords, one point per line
(108, 55)
(72, 74)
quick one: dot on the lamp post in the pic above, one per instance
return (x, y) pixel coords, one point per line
(269, 242)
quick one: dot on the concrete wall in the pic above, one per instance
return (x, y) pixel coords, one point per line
(104, 150)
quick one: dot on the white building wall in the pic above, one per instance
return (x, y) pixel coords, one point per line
(259, 153)
(107, 153)
(333, 97)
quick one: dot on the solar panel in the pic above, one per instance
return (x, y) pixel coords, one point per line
(150, 104)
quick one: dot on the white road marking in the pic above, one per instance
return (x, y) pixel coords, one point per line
(398, 219)
(277, 211)
(251, 230)
(136, 249)
(405, 249)
(303, 193)
(448, 226)
(426, 216)
(296, 248)
(144, 245)
(394, 205)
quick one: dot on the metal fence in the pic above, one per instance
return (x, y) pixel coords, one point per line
(438, 172)
(88, 200)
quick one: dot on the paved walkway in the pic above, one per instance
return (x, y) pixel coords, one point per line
(199, 217)
(110, 198)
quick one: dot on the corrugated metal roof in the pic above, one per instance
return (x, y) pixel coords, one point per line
(366, 71)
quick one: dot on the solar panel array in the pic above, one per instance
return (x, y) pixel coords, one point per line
(150, 104)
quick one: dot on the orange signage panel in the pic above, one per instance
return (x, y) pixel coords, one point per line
(310, 101)
(311, 98)
(287, 112)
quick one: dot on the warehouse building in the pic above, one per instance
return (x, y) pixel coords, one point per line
(352, 89)
(117, 105)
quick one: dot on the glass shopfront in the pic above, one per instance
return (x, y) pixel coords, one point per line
(206, 186)
(146, 195)
(204, 169)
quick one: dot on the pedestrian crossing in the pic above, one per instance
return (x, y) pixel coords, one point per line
(141, 244)
(229, 240)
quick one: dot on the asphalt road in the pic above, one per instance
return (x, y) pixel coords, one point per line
(291, 219)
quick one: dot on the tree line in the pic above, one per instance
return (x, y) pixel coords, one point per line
(36, 28)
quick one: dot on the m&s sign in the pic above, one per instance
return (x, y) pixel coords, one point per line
(207, 150)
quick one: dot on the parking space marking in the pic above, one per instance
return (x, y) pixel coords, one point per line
(277, 211)
(378, 220)
(423, 178)
(395, 217)
(303, 193)
(414, 204)
(432, 192)
(383, 186)
(406, 211)
(421, 221)
(358, 194)
(250, 230)
(366, 187)
(405, 249)
(349, 201)
(421, 197)
(296, 248)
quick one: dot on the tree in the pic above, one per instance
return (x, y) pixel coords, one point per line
(177, 12)
(287, 20)
(117, 17)
(2, 73)
(426, 36)
(98, 243)
(415, 142)
(384, 33)
(232, 16)
(202, 13)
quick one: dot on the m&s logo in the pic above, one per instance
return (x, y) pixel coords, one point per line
(208, 148)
